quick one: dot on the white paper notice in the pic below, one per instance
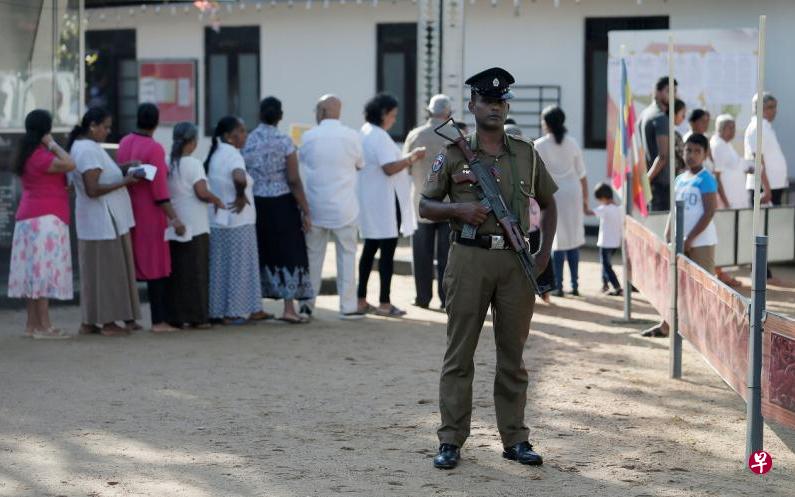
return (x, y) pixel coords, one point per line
(149, 170)
(183, 92)
(222, 217)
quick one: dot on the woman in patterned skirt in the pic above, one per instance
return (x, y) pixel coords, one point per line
(235, 293)
(282, 213)
(41, 259)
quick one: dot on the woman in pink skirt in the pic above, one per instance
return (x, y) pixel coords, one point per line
(41, 259)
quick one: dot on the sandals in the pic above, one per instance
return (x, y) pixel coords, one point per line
(50, 334)
(132, 326)
(294, 320)
(368, 309)
(88, 329)
(392, 312)
(261, 316)
(113, 330)
(238, 321)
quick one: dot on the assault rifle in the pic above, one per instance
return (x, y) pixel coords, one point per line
(491, 198)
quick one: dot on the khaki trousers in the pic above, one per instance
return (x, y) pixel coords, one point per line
(475, 279)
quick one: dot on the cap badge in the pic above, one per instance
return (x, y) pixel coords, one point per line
(496, 82)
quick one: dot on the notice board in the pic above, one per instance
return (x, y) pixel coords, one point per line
(171, 85)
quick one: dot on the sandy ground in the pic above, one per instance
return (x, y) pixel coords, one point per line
(350, 408)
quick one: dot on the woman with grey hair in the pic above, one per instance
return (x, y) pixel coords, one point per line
(188, 285)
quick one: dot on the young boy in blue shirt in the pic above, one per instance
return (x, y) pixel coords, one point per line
(699, 191)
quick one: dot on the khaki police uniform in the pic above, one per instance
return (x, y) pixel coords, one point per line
(477, 278)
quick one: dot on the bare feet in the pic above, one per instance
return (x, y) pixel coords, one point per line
(163, 328)
(773, 281)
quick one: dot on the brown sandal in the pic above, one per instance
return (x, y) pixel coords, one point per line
(113, 330)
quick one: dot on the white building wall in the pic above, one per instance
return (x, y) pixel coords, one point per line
(303, 53)
(306, 53)
(546, 45)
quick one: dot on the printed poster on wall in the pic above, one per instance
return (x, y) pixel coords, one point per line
(171, 85)
(715, 69)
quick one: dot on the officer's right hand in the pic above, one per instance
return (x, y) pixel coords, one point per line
(472, 213)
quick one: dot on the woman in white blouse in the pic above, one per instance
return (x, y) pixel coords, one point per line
(385, 202)
(188, 285)
(235, 292)
(563, 159)
(103, 218)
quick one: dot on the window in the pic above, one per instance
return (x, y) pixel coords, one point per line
(231, 69)
(112, 77)
(397, 72)
(596, 29)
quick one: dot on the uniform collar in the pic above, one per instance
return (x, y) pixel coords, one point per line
(475, 145)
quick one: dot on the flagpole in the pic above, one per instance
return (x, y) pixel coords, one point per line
(626, 192)
(675, 368)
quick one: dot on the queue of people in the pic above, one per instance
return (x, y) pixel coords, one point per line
(211, 239)
(253, 221)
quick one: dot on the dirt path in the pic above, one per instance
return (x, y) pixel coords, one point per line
(350, 408)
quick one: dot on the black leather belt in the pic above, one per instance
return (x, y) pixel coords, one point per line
(488, 242)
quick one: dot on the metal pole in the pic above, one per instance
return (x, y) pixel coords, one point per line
(753, 403)
(624, 257)
(675, 357)
(754, 420)
(678, 236)
(81, 63)
(760, 90)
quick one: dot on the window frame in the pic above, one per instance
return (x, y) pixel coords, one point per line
(596, 31)
(409, 108)
(250, 46)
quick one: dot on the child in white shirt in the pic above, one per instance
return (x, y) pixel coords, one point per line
(611, 224)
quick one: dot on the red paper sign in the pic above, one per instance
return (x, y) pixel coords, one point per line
(171, 85)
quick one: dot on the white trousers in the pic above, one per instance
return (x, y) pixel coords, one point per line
(345, 239)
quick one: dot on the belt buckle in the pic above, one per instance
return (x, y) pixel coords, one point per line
(497, 242)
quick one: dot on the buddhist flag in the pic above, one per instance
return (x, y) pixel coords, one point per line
(628, 153)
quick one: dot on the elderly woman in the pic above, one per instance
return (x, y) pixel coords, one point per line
(385, 201)
(563, 158)
(103, 218)
(153, 212)
(282, 212)
(187, 287)
(235, 291)
(41, 259)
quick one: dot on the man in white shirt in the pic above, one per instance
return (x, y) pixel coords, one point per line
(330, 156)
(774, 166)
(429, 234)
(730, 168)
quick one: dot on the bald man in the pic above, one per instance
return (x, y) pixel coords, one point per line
(330, 156)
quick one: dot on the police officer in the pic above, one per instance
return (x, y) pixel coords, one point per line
(481, 273)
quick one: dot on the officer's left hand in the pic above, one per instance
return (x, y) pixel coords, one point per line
(542, 260)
